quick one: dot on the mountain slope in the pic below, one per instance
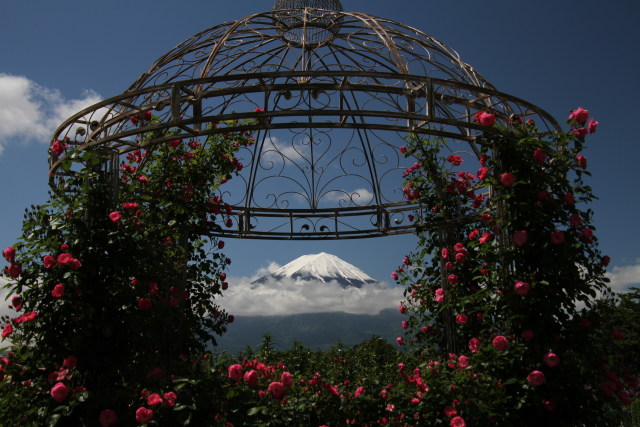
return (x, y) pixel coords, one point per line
(322, 267)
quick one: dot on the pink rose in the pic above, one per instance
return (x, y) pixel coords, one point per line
(461, 257)
(592, 126)
(484, 118)
(276, 389)
(154, 399)
(536, 378)
(581, 132)
(520, 238)
(65, 258)
(439, 295)
(539, 155)
(462, 319)
(457, 422)
(9, 254)
(107, 418)
(144, 415)
(58, 148)
(48, 261)
(551, 360)
(251, 377)
(394, 275)
(521, 288)
(580, 115)
(453, 279)
(286, 379)
(474, 345)
(400, 341)
(115, 216)
(58, 291)
(582, 161)
(450, 411)
(359, 392)
(235, 372)
(463, 362)
(59, 392)
(507, 179)
(557, 237)
(500, 343)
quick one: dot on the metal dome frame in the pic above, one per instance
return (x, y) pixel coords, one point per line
(310, 74)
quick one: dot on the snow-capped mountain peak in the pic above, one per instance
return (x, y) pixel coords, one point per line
(323, 267)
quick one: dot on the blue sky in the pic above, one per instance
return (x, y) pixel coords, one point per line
(59, 56)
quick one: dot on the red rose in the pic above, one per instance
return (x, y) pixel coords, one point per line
(144, 304)
(17, 302)
(154, 399)
(9, 254)
(453, 279)
(580, 115)
(70, 362)
(58, 291)
(450, 411)
(170, 398)
(507, 179)
(58, 148)
(539, 155)
(115, 216)
(536, 378)
(144, 415)
(48, 261)
(455, 160)
(175, 143)
(520, 237)
(575, 220)
(462, 319)
(14, 270)
(107, 418)
(65, 258)
(605, 260)
(500, 343)
(130, 205)
(482, 173)
(592, 126)
(617, 335)
(527, 334)
(8, 329)
(457, 422)
(557, 237)
(486, 238)
(276, 389)
(59, 392)
(551, 360)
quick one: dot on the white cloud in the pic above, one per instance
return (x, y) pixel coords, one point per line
(359, 197)
(29, 111)
(294, 297)
(624, 277)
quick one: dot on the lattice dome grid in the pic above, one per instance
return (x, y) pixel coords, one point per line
(336, 94)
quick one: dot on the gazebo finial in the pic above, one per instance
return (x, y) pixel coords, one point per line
(334, 5)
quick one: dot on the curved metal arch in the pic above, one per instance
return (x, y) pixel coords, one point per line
(356, 94)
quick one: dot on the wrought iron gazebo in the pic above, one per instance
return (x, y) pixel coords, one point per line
(335, 94)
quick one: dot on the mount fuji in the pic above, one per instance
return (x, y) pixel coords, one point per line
(322, 267)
